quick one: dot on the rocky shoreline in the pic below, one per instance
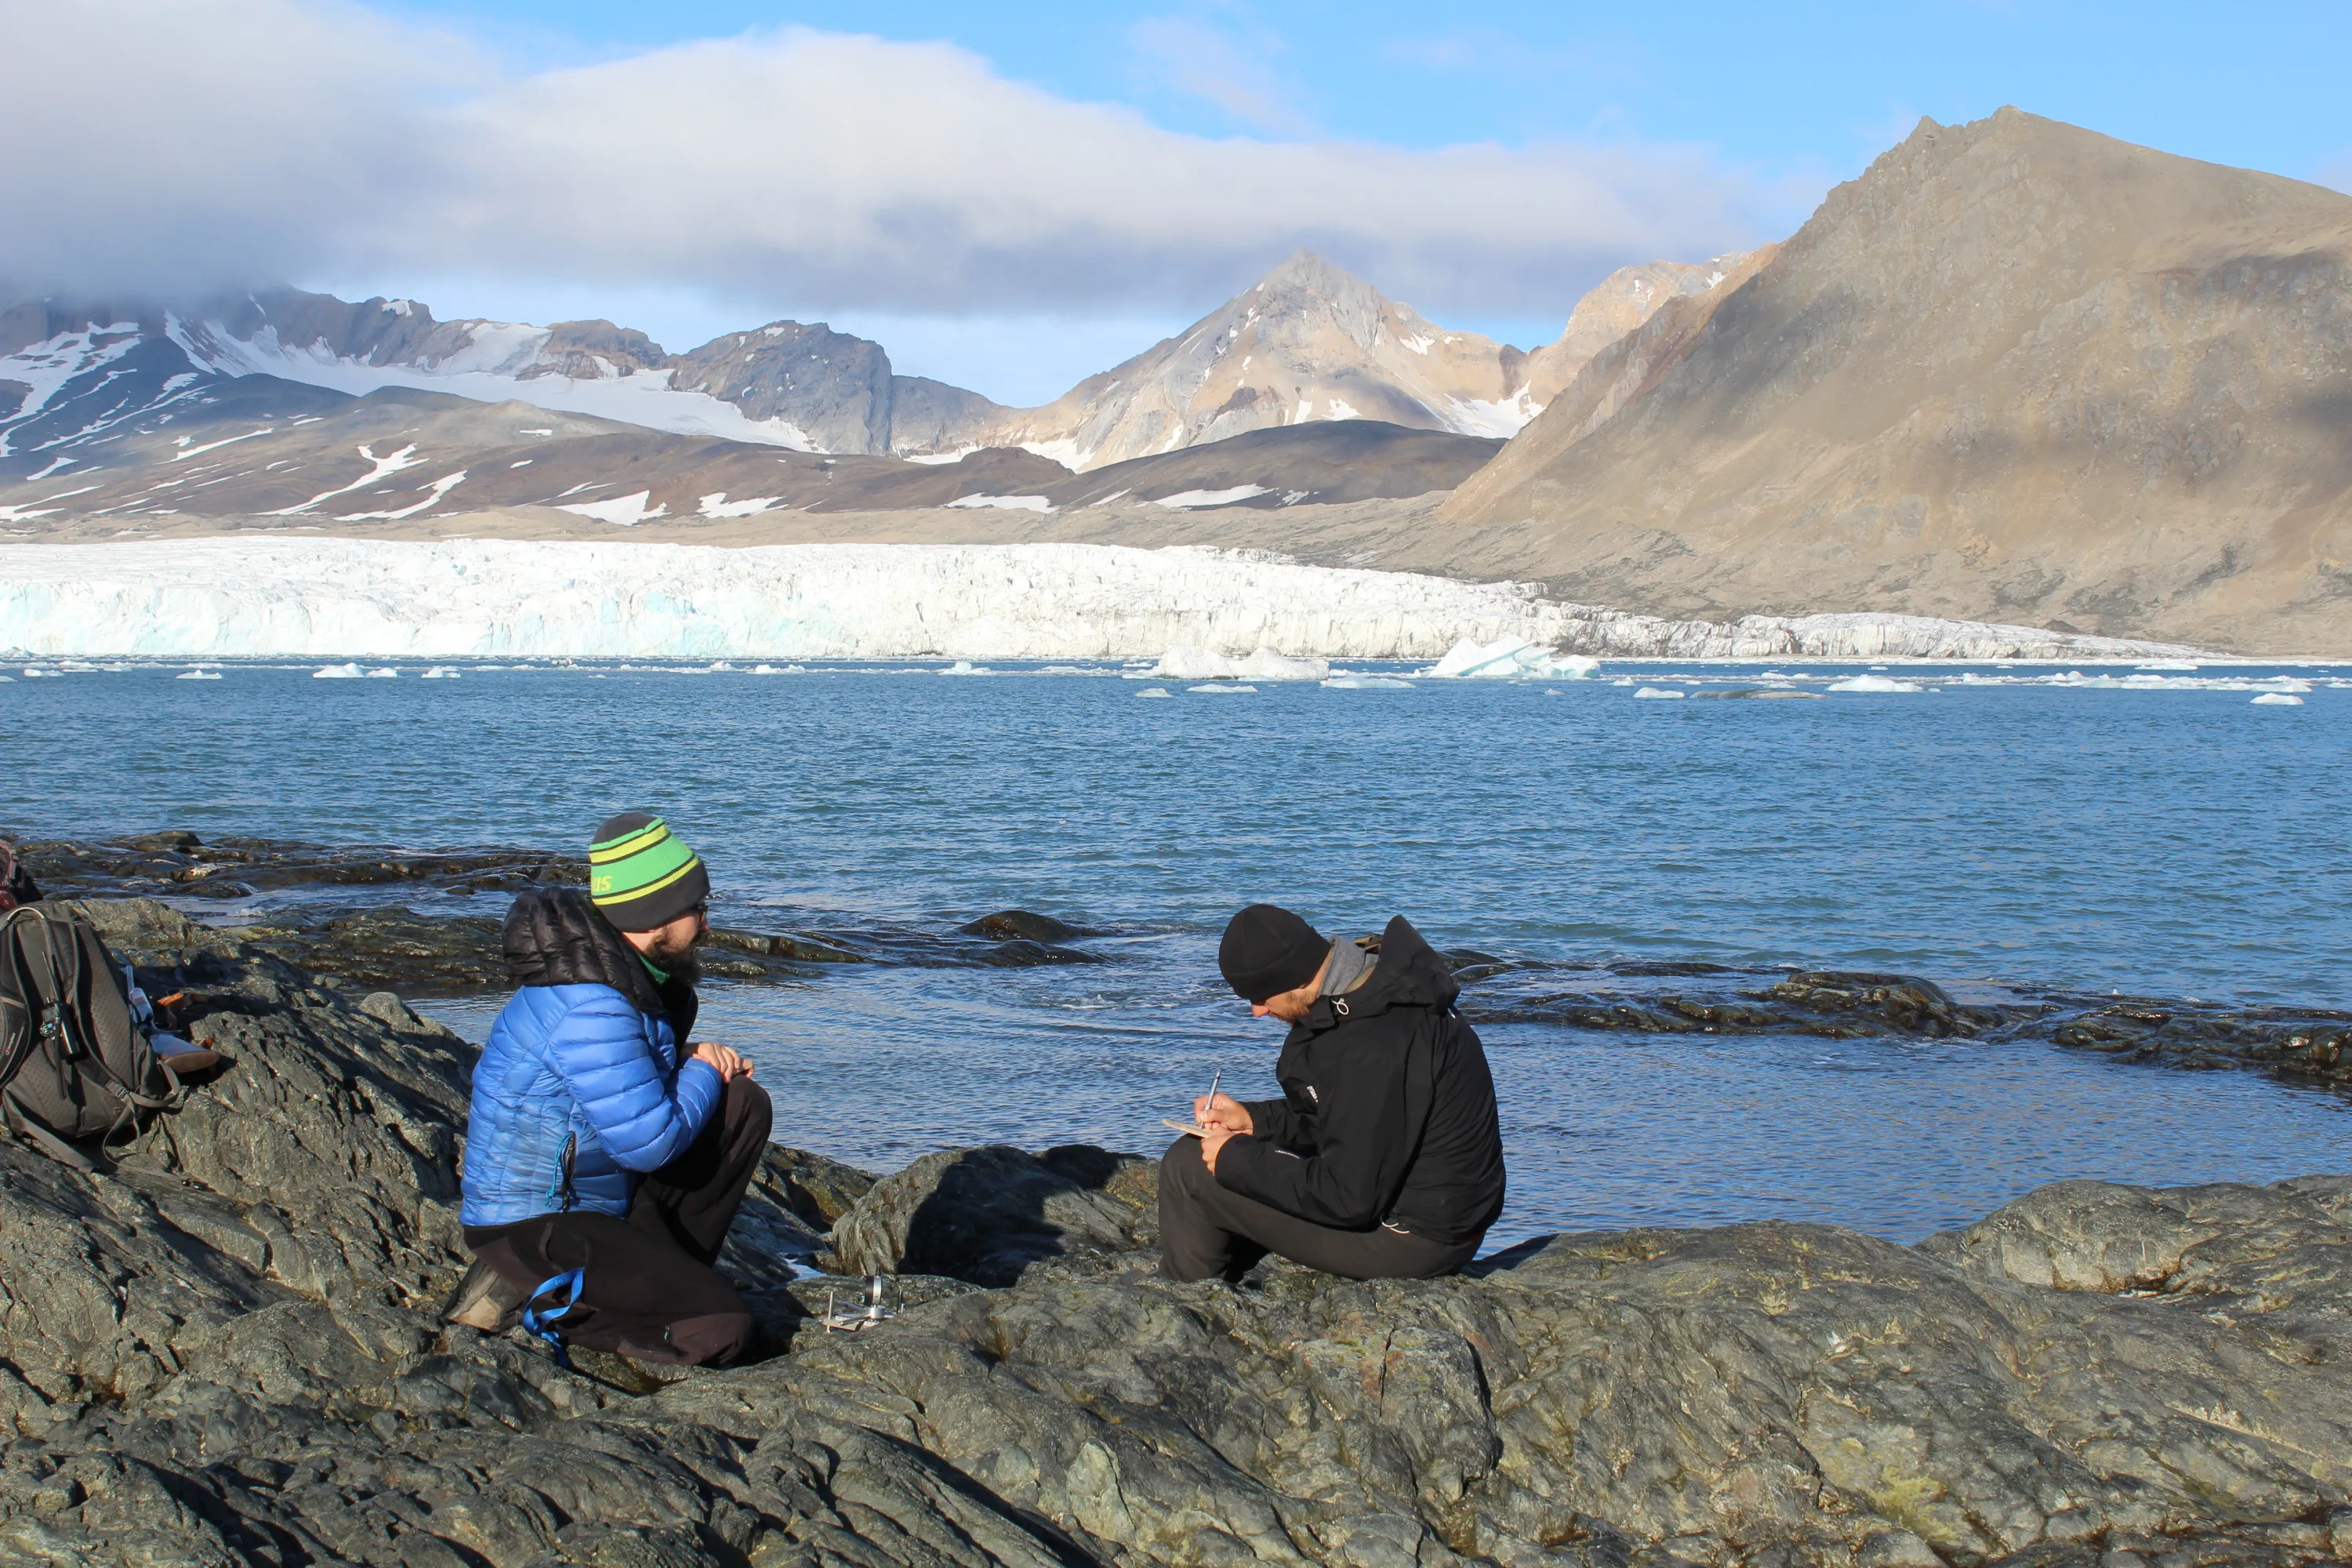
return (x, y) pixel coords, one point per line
(351, 915)
(226, 1352)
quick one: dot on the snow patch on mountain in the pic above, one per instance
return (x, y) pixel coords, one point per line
(488, 371)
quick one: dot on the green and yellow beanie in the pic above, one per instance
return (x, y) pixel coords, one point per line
(641, 875)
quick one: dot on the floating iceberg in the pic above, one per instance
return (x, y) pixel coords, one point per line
(1875, 683)
(1509, 658)
(1222, 687)
(340, 672)
(383, 675)
(197, 675)
(1367, 683)
(1659, 694)
(2278, 699)
(441, 673)
(1156, 691)
(965, 667)
(1187, 661)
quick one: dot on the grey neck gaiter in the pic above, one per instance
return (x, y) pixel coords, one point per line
(1349, 965)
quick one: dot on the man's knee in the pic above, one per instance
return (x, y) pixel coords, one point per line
(747, 1108)
(713, 1341)
(1181, 1170)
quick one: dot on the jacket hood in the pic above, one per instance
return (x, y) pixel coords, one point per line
(1410, 974)
(555, 937)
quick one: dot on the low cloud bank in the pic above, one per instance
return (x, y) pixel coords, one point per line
(160, 148)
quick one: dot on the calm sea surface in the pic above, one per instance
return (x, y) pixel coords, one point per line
(2170, 840)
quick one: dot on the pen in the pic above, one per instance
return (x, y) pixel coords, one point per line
(1214, 1081)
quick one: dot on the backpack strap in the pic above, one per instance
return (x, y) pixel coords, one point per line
(41, 1138)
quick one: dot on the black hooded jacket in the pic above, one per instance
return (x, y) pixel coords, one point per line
(554, 936)
(1387, 1111)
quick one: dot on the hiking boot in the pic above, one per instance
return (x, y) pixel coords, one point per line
(484, 1299)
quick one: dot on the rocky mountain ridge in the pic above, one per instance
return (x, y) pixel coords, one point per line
(267, 453)
(1309, 343)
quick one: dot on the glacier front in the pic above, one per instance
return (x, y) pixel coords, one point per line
(344, 599)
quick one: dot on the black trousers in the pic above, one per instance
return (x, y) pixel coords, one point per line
(1207, 1231)
(647, 1289)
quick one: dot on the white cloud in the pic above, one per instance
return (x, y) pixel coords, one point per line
(159, 146)
(1235, 73)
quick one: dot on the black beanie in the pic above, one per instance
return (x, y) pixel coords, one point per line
(1268, 950)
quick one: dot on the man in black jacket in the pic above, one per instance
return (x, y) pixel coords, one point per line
(1382, 1159)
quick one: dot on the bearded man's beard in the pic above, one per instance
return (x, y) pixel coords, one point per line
(676, 959)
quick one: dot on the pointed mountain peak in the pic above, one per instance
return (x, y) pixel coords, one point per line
(1306, 273)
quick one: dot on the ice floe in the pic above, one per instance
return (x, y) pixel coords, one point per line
(1367, 683)
(1509, 658)
(340, 672)
(197, 675)
(1221, 687)
(2278, 699)
(1156, 691)
(1875, 683)
(2076, 679)
(1189, 662)
(1660, 693)
(441, 673)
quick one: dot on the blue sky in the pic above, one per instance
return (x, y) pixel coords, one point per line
(1797, 96)
(1813, 90)
(1011, 196)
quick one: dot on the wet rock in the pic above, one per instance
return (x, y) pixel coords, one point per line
(2295, 1042)
(1026, 925)
(1878, 1003)
(985, 1215)
(331, 909)
(1830, 1003)
(818, 1189)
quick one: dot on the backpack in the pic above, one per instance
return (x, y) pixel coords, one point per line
(73, 1064)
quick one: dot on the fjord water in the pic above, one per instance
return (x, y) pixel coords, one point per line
(2171, 842)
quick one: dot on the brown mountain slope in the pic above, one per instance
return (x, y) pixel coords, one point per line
(2017, 371)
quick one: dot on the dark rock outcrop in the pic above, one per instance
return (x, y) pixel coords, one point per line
(986, 1214)
(347, 913)
(225, 1352)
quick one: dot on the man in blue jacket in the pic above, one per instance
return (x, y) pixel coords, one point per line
(605, 1158)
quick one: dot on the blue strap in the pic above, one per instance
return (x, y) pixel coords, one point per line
(543, 1323)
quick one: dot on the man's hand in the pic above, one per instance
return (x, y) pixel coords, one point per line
(1223, 1113)
(1212, 1142)
(729, 1064)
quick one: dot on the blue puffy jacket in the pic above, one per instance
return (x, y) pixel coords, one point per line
(582, 1069)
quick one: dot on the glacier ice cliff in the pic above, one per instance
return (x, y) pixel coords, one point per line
(340, 598)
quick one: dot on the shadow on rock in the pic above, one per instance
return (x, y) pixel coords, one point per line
(986, 1214)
